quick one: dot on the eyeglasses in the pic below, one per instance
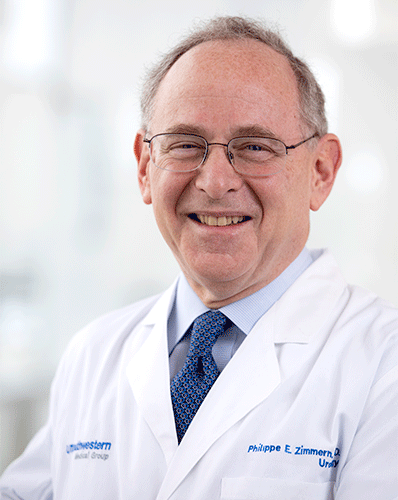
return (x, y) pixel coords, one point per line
(253, 156)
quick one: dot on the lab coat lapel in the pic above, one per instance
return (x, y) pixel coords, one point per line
(250, 376)
(149, 375)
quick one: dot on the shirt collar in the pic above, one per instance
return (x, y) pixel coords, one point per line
(244, 313)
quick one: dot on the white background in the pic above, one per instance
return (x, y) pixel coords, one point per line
(76, 239)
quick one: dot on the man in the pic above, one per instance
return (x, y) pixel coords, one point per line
(260, 373)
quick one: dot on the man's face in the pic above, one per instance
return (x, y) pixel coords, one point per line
(221, 90)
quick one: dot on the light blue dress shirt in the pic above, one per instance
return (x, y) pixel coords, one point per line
(243, 313)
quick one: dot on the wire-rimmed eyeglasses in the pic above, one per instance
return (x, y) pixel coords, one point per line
(254, 156)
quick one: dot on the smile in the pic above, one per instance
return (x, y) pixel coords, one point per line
(211, 220)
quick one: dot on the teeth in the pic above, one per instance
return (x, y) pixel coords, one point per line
(210, 220)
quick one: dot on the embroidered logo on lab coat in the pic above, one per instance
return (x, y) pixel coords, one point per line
(90, 450)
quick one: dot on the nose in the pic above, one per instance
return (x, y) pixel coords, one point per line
(216, 176)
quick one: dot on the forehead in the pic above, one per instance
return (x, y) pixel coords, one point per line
(229, 78)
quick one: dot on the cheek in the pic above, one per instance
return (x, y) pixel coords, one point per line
(285, 199)
(163, 186)
(167, 190)
(296, 204)
(298, 181)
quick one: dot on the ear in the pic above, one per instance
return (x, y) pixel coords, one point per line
(141, 152)
(327, 161)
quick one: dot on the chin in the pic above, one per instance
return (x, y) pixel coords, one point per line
(218, 270)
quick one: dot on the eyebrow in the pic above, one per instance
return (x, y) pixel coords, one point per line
(244, 131)
(182, 128)
(255, 131)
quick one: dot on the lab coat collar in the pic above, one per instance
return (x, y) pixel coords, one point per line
(300, 313)
(162, 307)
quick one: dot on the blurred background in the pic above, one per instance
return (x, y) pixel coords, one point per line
(76, 241)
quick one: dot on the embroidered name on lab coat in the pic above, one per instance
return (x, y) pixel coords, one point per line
(327, 458)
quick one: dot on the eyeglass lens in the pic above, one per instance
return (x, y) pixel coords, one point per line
(249, 155)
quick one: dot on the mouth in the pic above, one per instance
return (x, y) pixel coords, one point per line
(225, 220)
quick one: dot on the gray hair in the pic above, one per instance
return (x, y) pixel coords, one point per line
(312, 101)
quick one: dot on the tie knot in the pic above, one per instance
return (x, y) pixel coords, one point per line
(205, 330)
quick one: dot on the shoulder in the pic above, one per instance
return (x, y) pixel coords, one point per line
(110, 331)
(367, 316)
(349, 317)
(368, 307)
(371, 323)
(97, 352)
(363, 328)
(321, 306)
(354, 303)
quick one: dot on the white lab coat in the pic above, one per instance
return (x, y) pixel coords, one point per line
(306, 409)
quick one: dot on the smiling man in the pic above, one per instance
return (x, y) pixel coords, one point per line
(222, 90)
(260, 374)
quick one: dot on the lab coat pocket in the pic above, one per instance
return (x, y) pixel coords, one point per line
(263, 488)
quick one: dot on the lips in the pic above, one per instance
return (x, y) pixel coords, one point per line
(225, 220)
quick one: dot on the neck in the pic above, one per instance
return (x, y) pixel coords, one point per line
(216, 294)
(219, 294)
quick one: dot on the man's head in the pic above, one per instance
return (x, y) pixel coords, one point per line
(233, 233)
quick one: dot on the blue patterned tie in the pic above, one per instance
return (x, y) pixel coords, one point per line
(192, 383)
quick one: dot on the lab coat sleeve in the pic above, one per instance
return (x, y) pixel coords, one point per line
(29, 476)
(371, 468)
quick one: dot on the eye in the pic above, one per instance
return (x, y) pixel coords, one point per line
(185, 145)
(181, 147)
(252, 148)
(254, 145)
(257, 147)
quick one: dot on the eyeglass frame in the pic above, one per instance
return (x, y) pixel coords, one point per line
(287, 148)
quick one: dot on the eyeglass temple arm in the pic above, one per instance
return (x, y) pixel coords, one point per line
(301, 142)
